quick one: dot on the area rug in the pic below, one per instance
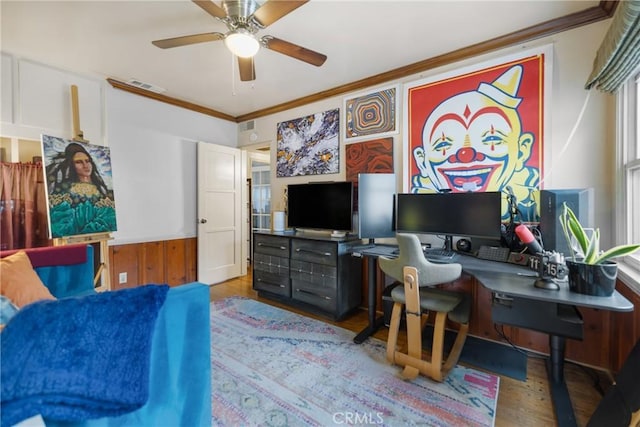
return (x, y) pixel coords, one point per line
(276, 368)
(484, 354)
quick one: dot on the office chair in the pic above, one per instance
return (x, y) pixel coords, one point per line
(418, 274)
(620, 406)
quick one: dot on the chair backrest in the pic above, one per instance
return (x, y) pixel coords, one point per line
(410, 254)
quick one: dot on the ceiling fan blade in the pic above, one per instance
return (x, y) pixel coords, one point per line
(211, 8)
(186, 40)
(294, 51)
(247, 69)
(273, 10)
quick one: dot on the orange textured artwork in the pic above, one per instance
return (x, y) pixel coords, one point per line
(374, 156)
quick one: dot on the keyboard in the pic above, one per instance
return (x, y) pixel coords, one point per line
(438, 254)
(493, 253)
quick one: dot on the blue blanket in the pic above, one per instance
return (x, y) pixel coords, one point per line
(79, 358)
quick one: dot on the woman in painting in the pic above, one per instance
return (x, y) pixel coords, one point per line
(79, 200)
(76, 173)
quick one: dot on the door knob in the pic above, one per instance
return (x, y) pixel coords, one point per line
(203, 221)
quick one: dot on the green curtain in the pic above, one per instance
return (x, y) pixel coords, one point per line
(619, 54)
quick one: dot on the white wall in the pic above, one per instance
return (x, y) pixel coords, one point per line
(153, 144)
(153, 154)
(586, 162)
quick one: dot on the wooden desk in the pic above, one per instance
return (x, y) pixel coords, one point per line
(518, 303)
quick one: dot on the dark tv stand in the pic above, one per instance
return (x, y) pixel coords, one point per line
(313, 272)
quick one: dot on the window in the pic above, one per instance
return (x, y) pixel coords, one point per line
(260, 196)
(628, 162)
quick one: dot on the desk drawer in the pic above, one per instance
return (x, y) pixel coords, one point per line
(317, 274)
(271, 264)
(314, 251)
(271, 245)
(542, 316)
(322, 297)
(274, 283)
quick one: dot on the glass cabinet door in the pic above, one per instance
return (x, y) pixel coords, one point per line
(260, 196)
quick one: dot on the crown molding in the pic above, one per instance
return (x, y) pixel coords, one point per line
(604, 10)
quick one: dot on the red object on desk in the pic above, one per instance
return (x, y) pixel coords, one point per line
(526, 236)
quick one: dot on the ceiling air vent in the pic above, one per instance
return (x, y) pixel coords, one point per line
(146, 86)
(250, 125)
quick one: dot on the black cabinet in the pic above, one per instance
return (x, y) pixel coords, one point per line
(271, 264)
(309, 271)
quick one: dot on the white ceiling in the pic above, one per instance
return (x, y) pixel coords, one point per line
(112, 39)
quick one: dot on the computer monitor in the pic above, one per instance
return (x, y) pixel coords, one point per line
(376, 192)
(321, 205)
(450, 214)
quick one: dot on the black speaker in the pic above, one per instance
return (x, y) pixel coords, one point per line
(581, 203)
(463, 245)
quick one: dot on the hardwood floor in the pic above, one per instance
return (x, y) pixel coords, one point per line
(519, 403)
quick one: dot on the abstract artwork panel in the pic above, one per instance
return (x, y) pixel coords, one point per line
(481, 129)
(371, 114)
(309, 145)
(79, 187)
(375, 156)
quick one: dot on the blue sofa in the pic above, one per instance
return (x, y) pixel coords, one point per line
(180, 370)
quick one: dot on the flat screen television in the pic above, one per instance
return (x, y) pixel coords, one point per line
(450, 214)
(321, 206)
(376, 192)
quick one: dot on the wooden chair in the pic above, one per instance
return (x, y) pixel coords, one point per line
(417, 298)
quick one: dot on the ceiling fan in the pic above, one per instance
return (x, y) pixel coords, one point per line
(244, 18)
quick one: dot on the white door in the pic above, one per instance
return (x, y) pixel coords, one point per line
(221, 213)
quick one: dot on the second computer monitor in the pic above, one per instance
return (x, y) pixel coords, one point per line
(450, 214)
(376, 193)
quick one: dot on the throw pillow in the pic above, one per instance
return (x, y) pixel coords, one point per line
(19, 281)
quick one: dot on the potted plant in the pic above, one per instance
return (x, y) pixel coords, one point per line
(591, 271)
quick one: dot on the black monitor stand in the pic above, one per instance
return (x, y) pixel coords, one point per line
(448, 243)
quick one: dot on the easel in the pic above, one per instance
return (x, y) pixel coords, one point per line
(78, 135)
(102, 278)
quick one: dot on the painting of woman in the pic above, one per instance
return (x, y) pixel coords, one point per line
(79, 190)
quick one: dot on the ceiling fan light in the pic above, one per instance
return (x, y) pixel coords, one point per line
(242, 44)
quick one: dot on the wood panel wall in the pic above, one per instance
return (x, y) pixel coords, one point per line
(608, 336)
(172, 262)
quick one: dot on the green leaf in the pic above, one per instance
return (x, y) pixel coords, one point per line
(617, 251)
(579, 234)
(593, 248)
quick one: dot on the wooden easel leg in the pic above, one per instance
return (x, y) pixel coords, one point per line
(101, 278)
(105, 283)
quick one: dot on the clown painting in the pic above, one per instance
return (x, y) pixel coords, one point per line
(480, 131)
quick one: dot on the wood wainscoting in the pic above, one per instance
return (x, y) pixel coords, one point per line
(608, 336)
(172, 262)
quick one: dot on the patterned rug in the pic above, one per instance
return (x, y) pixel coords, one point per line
(276, 368)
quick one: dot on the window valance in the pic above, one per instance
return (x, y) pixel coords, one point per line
(619, 54)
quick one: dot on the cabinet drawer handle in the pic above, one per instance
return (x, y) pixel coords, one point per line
(313, 252)
(270, 283)
(272, 246)
(304, 291)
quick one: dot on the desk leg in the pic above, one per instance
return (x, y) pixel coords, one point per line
(559, 392)
(374, 324)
